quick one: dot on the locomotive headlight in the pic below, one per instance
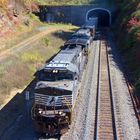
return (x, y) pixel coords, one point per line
(60, 113)
(55, 71)
(40, 112)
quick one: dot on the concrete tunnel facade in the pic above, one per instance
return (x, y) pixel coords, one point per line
(76, 15)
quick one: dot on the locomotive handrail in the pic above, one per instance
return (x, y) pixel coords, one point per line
(67, 104)
(32, 112)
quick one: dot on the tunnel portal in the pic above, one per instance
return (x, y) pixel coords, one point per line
(104, 16)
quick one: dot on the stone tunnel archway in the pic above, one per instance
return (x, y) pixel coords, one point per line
(104, 16)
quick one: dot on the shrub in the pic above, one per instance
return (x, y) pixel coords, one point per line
(46, 41)
(133, 22)
(134, 29)
(34, 17)
(133, 34)
(136, 14)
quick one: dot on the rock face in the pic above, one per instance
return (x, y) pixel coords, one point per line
(8, 21)
(12, 15)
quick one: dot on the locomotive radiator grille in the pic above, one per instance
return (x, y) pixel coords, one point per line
(46, 100)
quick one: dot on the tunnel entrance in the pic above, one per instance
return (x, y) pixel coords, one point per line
(104, 16)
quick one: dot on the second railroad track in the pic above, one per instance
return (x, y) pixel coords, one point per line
(105, 126)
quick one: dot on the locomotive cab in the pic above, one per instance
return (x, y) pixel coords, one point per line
(53, 101)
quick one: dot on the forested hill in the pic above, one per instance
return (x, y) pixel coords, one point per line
(128, 36)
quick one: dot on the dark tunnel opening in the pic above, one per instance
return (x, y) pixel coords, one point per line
(103, 17)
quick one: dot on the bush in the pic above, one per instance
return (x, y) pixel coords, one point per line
(46, 41)
(136, 14)
(133, 35)
(34, 17)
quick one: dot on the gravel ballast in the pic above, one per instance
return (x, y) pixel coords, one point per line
(127, 121)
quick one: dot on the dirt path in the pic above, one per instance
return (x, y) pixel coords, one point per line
(30, 40)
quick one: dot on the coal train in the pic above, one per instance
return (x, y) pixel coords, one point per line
(56, 90)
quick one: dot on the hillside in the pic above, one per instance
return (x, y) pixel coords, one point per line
(128, 34)
(16, 16)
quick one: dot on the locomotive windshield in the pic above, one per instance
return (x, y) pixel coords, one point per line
(80, 36)
(50, 76)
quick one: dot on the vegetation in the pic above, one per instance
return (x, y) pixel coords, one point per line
(128, 33)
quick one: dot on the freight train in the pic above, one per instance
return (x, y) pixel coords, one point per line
(56, 90)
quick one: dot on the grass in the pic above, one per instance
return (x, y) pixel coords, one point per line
(17, 71)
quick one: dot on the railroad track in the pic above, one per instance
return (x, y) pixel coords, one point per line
(105, 123)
